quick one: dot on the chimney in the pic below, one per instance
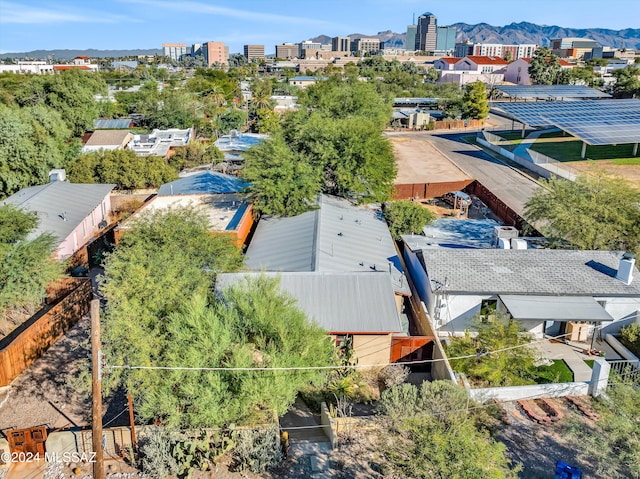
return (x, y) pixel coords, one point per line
(625, 269)
(57, 175)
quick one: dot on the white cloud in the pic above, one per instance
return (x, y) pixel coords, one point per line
(205, 9)
(13, 13)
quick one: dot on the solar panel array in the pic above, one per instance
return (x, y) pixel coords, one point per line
(617, 129)
(598, 122)
(551, 91)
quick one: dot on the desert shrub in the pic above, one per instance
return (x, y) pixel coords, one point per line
(156, 453)
(393, 375)
(631, 333)
(256, 449)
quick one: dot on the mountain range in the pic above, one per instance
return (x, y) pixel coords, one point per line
(522, 32)
(71, 54)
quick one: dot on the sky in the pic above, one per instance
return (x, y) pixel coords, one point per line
(130, 24)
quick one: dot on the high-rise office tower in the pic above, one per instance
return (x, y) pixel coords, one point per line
(426, 33)
(411, 37)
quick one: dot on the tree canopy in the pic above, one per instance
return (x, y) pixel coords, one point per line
(333, 144)
(406, 217)
(544, 68)
(161, 311)
(508, 368)
(26, 265)
(593, 212)
(627, 84)
(122, 167)
(434, 432)
(475, 104)
(283, 182)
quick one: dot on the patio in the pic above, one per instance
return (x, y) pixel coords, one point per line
(574, 353)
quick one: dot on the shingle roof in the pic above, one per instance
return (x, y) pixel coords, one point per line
(339, 302)
(534, 271)
(337, 236)
(107, 137)
(203, 183)
(61, 206)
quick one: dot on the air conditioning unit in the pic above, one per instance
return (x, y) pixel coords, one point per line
(102, 224)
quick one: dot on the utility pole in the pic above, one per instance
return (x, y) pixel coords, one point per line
(96, 390)
(131, 422)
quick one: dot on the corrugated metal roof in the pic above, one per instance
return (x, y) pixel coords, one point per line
(118, 124)
(532, 271)
(284, 244)
(338, 236)
(564, 308)
(202, 183)
(339, 302)
(60, 206)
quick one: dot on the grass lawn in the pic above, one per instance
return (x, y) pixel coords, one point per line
(558, 372)
(589, 362)
(627, 161)
(569, 150)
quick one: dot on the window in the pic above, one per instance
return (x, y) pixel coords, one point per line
(488, 309)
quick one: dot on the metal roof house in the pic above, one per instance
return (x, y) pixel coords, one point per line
(336, 236)
(345, 255)
(73, 213)
(542, 288)
(218, 195)
(357, 304)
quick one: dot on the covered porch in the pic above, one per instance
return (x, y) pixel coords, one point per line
(567, 325)
(571, 318)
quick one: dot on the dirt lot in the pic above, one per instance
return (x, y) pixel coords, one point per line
(631, 173)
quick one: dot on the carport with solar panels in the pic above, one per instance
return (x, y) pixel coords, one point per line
(594, 122)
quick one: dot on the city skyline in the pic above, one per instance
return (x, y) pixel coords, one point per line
(129, 24)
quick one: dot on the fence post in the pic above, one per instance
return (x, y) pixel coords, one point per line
(599, 377)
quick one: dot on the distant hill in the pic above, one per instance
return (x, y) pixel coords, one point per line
(70, 54)
(523, 32)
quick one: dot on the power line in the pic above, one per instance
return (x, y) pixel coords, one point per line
(330, 367)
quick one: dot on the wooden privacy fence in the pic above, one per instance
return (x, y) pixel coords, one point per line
(24, 345)
(457, 124)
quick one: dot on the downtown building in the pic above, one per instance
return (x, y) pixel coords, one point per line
(254, 53)
(175, 51)
(215, 53)
(431, 38)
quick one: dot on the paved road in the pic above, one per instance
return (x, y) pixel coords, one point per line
(509, 184)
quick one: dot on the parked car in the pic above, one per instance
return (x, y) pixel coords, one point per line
(457, 199)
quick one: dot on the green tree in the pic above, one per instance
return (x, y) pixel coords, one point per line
(590, 213)
(544, 68)
(475, 104)
(26, 265)
(627, 84)
(267, 121)
(434, 433)
(283, 182)
(355, 159)
(122, 167)
(194, 154)
(232, 119)
(162, 274)
(406, 217)
(511, 367)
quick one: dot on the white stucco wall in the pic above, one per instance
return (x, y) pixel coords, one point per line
(624, 311)
(86, 230)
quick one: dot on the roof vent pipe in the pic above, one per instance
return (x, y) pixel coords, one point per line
(625, 268)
